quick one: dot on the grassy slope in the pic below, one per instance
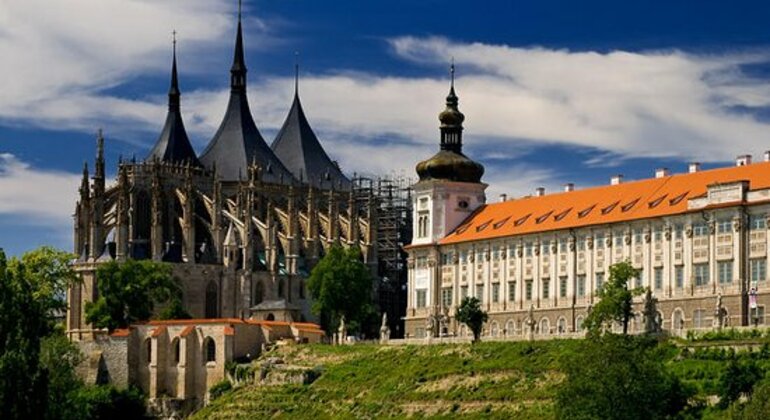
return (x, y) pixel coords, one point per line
(488, 380)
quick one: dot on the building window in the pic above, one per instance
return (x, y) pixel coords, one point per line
(422, 224)
(302, 289)
(563, 247)
(211, 300)
(581, 243)
(495, 292)
(757, 313)
(679, 274)
(757, 222)
(422, 295)
(701, 274)
(463, 292)
(480, 292)
(175, 347)
(658, 278)
(599, 281)
(511, 291)
(446, 258)
(528, 249)
(581, 285)
(148, 350)
(528, 291)
(546, 288)
(211, 350)
(599, 240)
(638, 236)
(546, 247)
(658, 235)
(700, 229)
(678, 231)
(758, 267)
(725, 272)
(698, 318)
(563, 286)
(724, 226)
(639, 279)
(618, 239)
(446, 296)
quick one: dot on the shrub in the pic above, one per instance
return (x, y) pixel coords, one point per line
(219, 389)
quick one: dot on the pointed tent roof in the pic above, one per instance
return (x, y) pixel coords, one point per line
(173, 145)
(238, 143)
(299, 149)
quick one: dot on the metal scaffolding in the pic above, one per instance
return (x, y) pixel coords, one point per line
(393, 195)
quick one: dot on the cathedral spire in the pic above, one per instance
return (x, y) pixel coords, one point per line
(296, 74)
(173, 91)
(85, 188)
(238, 70)
(99, 167)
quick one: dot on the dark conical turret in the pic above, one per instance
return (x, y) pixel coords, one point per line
(299, 149)
(173, 145)
(238, 143)
(450, 163)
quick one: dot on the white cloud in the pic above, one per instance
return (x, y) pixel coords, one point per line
(37, 197)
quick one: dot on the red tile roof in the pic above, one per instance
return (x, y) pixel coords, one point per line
(623, 202)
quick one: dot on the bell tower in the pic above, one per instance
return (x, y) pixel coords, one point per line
(450, 186)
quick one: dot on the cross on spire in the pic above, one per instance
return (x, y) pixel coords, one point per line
(452, 72)
(296, 72)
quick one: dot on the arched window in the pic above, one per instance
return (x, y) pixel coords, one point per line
(259, 293)
(494, 329)
(211, 300)
(280, 287)
(579, 323)
(270, 317)
(211, 350)
(545, 326)
(510, 327)
(677, 320)
(561, 326)
(175, 349)
(301, 289)
(148, 350)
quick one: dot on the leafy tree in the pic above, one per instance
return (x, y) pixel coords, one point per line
(618, 377)
(738, 379)
(23, 382)
(341, 285)
(469, 313)
(49, 272)
(129, 291)
(758, 405)
(615, 300)
(59, 357)
(108, 402)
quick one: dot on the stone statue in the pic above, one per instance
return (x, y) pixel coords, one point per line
(652, 320)
(429, 326)
(342, 331)
(719, 313)
(530, 322)
(384, 329)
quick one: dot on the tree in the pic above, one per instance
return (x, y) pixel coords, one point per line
(618, 377)
(469, 313)
(23, 382)
(615, 300)
(341, 285)
(49, 272)
(738, 379)
(129, 291)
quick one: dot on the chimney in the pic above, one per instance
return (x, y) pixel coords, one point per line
(661, 173)
(539, 192)
(743, 160)
(767, 156)
(569, 187)
(503, 197)
(693, 167)
(617, 179)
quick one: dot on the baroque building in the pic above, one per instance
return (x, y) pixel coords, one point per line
(699, 240)
(242, 223)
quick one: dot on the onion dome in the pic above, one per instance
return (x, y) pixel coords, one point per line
(450, 164)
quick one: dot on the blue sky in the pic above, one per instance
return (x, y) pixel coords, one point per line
(553, 91)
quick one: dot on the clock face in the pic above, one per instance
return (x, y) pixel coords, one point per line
(462, 204)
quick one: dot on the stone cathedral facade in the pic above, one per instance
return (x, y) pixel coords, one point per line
(242, 223)
(699, 240)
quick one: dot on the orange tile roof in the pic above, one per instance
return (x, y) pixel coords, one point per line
(635, 200)
(187, 330)
(158, 331)
(231, 321)
(121, 332)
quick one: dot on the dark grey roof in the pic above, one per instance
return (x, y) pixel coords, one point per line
(173, 145)
(300, 151)
(238, 143)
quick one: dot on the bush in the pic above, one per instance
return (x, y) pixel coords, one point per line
(737, 380)
(219, 389)
(619, 377)
(108, 402)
